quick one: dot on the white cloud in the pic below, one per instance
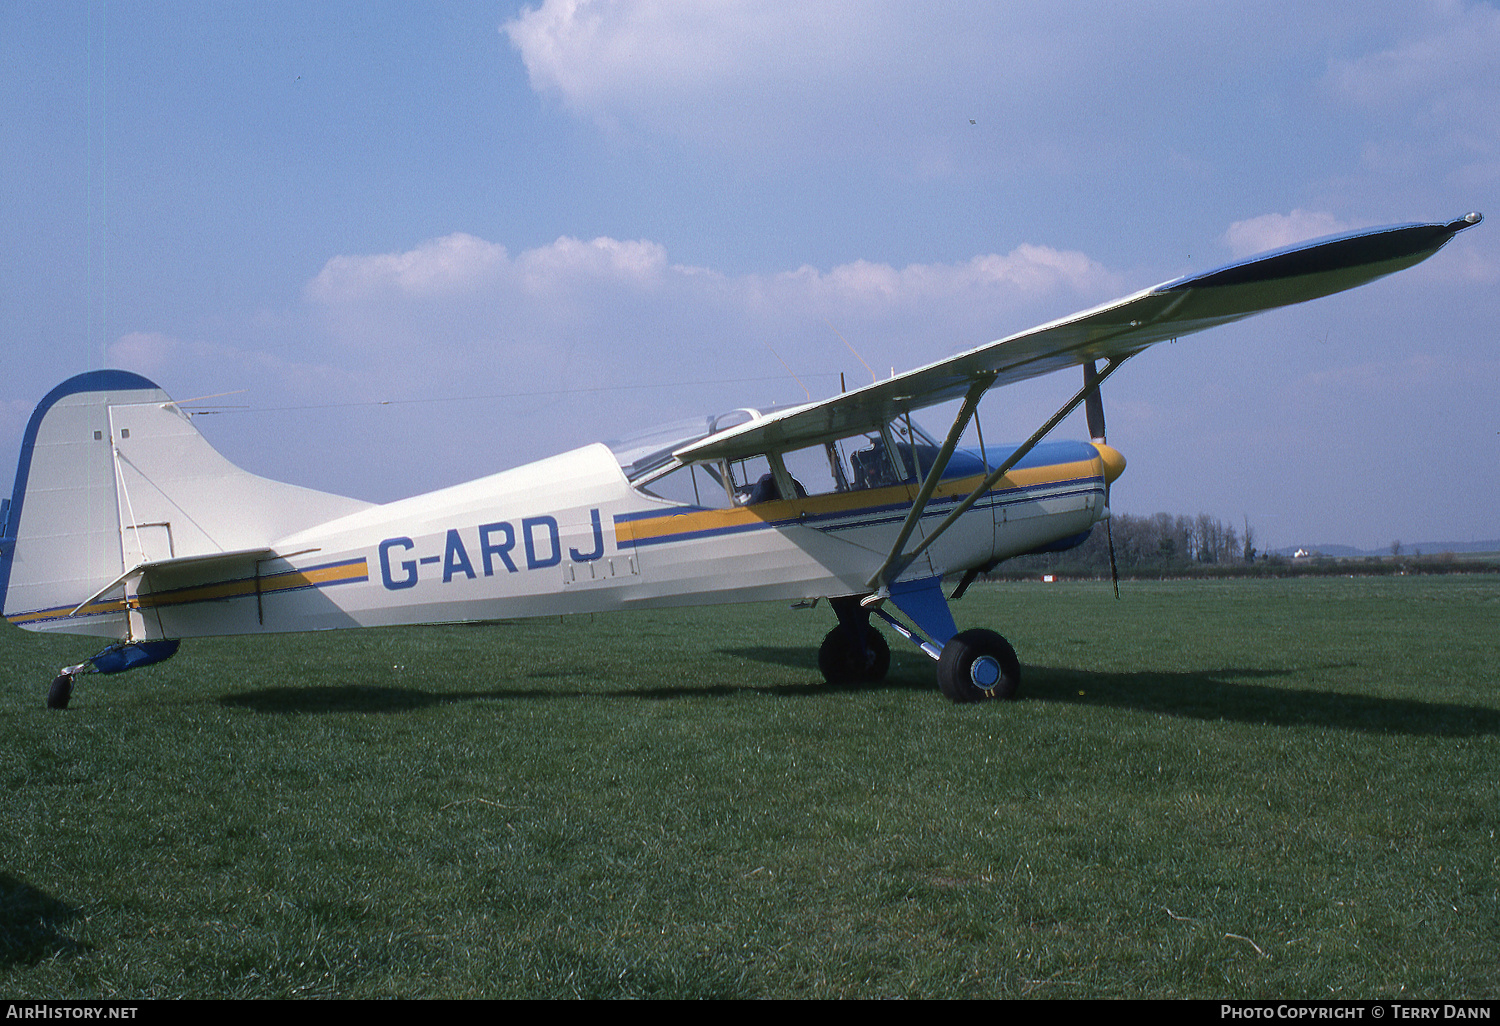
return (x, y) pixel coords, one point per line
(1027, 273)
(1460, 57)
(1473, 263)
(463, 288)
(460, 264)
(1273, 231)
(600, 55)
(768, 84)
(953, 92)
(1435, 96)
(145, 352)
(158, 356)
(450, 264)
(520, 355)
(568, 259)
(841, 79)
(609, 313)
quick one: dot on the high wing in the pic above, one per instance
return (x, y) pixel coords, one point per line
(1113, 331)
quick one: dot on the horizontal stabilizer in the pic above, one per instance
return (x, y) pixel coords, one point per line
(115, 481)
(209, 566)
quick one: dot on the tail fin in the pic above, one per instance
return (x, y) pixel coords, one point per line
(112, 475)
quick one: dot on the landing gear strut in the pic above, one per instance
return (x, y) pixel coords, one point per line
(971, 665)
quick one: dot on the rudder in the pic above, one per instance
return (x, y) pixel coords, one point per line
(112, 475)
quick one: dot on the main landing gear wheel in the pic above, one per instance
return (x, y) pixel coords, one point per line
(843, 660)
(978, 664)
(60, 691)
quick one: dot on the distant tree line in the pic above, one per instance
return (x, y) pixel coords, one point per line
(1158, 543)
(1167, 545)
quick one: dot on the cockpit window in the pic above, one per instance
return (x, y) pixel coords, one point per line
(647, 451)
(700, 485)
(851, 464)
(752, 480)
(916, 450)
(900, 452)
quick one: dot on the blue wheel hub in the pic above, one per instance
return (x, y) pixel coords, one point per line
(985, 672)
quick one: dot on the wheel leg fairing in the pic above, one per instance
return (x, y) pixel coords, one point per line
(925, 605)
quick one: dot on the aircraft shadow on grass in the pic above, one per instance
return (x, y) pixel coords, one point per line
(31, 924)
(385, 698)
(1227, 693)
(377, 698)
(1209, 694)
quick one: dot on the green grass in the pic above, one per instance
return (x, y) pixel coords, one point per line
(1209, 789)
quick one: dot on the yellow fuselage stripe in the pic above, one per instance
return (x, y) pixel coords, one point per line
(286, 580)
(629, 533)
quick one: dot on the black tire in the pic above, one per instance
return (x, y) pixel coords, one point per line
(976, 665)
(60, 691)
(842, 660)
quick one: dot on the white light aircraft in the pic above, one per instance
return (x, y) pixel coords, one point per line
(126, 524)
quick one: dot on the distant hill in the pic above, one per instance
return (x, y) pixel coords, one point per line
(1407, 549)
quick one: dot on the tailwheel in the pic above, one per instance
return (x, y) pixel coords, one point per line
(61, 691)
(845, 658)
(976, 665)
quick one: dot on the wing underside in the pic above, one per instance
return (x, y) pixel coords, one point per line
(1113, 331)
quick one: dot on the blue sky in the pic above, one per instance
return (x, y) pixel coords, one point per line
(424, 242)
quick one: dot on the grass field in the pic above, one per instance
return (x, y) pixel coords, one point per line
(1208, 789)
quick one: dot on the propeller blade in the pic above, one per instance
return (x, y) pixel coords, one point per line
(1094, 409)
(1094, 405)
(1114, 572)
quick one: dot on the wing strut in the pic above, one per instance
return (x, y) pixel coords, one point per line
(890, 570)
(897, 562)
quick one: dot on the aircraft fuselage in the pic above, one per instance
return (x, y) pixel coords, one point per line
(570, 534)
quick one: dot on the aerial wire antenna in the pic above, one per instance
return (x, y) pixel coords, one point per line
(493, 396)
(789, 370)
(844, 340)
(180, 403)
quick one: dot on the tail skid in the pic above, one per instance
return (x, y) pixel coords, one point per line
(115, 659)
